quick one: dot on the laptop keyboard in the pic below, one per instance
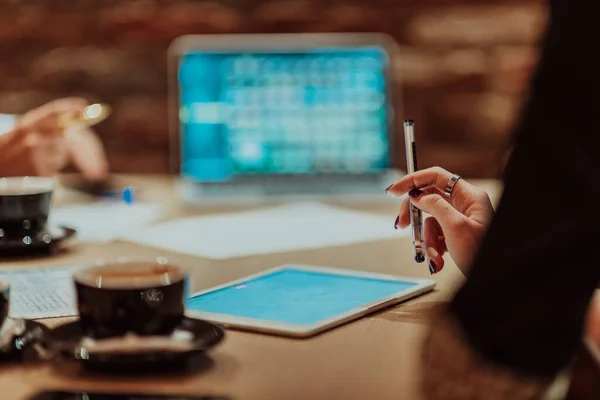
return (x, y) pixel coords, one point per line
(279, 185)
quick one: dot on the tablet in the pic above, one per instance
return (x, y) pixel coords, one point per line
(301, 300)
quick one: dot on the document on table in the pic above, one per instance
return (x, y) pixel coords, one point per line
(105, 220)
(41, 293)
(285, 228)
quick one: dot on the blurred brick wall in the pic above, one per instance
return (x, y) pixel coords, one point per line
(466, 63)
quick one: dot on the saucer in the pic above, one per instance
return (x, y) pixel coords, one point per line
(47, 242)
(70, 342)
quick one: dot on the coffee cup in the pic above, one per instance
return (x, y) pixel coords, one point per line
(128, 296)
(24, 206)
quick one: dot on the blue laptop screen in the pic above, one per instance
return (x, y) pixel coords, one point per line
(315, 112)
(296, 296)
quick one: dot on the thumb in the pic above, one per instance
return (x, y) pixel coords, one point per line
(435, 205)
(87, 154)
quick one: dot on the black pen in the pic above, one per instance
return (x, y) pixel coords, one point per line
(416, 215)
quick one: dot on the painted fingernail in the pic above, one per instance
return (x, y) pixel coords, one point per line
(396, 222)
(388, 188)
(432, 267)
(415, 193)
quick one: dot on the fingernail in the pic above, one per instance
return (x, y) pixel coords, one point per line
(387, 191)
(396, 222)
(432, 267)
(415, 193)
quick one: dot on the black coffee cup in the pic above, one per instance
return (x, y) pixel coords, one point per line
(24, 206)
(141, 297)
(4, 301)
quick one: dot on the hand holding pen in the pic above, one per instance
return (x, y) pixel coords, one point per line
(46, 139)
(457, 223)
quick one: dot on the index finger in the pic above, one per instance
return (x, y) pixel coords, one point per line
(434, 176)
(46, 116)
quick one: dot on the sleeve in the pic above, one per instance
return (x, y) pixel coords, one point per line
(523, 306)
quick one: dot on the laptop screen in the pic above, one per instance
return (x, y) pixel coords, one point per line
(320, 111)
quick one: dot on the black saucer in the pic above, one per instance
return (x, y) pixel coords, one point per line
(65, 341)
(47, 242)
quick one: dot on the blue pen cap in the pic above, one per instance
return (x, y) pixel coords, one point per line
(128, 195)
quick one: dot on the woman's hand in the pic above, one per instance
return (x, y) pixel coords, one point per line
(457, 225)
(38, 145)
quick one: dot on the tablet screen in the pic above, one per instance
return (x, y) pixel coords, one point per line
(323, 110)
(296, 296)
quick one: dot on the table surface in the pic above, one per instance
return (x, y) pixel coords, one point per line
(375, 357)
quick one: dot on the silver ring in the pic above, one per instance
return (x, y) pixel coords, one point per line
(450, 185)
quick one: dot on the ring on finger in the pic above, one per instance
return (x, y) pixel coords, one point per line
(450, 185)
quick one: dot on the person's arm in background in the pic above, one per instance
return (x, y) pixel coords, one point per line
(35, 144)
(518, 319)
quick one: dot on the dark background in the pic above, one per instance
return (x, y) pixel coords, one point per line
(465, 67)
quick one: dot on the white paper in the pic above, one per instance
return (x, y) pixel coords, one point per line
(279, 229)
(106, 220)
(41, 293)
(7, 122)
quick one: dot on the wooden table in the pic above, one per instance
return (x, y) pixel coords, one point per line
(372, 358)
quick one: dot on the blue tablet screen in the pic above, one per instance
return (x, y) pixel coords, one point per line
(296, 296)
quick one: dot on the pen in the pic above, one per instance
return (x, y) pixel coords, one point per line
(92, 115)
(416, 215)
(127, 194)
(106, 190)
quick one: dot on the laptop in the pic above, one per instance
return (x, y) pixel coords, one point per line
(271, 115)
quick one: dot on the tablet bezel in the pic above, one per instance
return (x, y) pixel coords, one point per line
(285, 42)
(304, 330)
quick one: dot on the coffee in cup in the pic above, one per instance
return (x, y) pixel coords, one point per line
(24, 206)
(141, 297)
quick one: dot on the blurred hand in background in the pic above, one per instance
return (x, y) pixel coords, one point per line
(39, 146)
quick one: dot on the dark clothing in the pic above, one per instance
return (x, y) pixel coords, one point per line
(523, 305)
